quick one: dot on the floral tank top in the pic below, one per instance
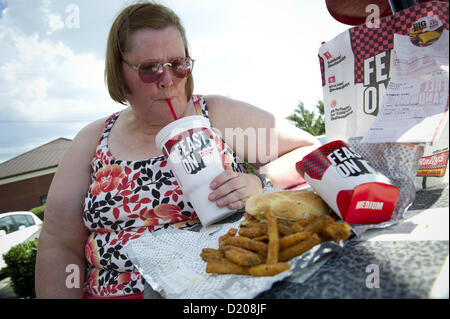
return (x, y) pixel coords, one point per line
(125, 200)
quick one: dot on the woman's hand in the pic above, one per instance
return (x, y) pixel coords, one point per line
(232, 189)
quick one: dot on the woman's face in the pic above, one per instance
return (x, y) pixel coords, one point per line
(148, 100)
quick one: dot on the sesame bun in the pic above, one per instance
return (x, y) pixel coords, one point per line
(288, 205)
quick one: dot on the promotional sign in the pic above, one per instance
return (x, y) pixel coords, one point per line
(358, 65)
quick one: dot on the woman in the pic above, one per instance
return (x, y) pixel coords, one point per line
(113, 184)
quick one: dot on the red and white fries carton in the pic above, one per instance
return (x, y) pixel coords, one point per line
(349, 184)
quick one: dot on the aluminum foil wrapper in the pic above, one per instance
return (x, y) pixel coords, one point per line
(397, 161)
(170, 262)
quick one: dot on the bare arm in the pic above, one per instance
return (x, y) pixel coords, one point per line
(293, 145)
(271, 144)
(63, 235)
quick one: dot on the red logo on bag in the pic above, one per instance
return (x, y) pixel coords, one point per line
(327, 55)
(434, 165)
(332, 79)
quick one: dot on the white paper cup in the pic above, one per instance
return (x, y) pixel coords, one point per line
(348, 184)
(189, 146)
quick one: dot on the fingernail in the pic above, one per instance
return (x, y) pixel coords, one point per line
(212, 196)
(213, 184)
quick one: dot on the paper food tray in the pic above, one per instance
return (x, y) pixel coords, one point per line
(170, 262)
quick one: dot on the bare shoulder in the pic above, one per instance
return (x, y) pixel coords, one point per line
(80, 152)
(70, 184)
(227, 112)
(89, 135)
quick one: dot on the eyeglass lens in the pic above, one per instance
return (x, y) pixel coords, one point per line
(151, 71)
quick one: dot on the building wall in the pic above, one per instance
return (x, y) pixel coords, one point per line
(24, 194)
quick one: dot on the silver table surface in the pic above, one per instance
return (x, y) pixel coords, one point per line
(409, 266)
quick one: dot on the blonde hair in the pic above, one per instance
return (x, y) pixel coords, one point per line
(131, 19)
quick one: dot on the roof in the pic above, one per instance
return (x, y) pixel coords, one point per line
(42, 157)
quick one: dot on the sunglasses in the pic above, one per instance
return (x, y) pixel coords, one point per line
(150, 72)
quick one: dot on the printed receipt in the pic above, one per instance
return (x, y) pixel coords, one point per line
(415, 106)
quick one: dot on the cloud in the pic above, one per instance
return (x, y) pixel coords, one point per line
(47, 89)
(52, 59)
(3, 8)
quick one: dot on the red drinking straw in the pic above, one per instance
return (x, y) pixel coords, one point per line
(171, 109)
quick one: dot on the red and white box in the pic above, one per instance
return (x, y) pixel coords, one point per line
(349, 184)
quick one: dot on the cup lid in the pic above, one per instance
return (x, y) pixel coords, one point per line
(180, 125)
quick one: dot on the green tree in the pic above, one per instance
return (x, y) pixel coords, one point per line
(308, 120)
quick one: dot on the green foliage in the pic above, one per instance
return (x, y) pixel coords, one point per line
(20, 261)
(307, 120)
(39, 211)
(250, 168)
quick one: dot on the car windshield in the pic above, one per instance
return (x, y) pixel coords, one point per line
(8, 225)
(23, 220)
(13, 223)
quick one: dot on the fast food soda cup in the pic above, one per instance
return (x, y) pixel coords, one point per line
(348, 184)
(189, 146)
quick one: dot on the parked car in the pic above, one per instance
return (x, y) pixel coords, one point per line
(16, 228)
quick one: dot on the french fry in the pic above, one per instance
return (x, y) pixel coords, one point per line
(211, 254)
(226, 268)
(245, 242)
(306, 221)
(285, 229)
(255, 223)
(263, 238)
(274, 244)
(299, 248)
(340, 231)
(317, 225)
(291, 240)
(242, 256)
(296, 227)
(252, 232)
(222, 239)
(268, 270)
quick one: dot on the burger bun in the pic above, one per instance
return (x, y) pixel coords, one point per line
(289, 205)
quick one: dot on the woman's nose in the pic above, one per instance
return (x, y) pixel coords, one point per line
(165, 81)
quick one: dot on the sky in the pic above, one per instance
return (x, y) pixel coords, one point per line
(52, 52)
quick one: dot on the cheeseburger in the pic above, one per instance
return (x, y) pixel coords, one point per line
(287, 205)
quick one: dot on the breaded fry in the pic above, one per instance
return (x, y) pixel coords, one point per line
(231, 233)
(226, 268)
(242, 256)
(252, 232)
(306, 221)
(255, 223)
(247, 243)
(296, 227)
(263, 238)
(299, 248)
(291, 240)
(211, 254)
(285, 229)
(340, 231)
(268, 270)
(317, 225)
(273, 247)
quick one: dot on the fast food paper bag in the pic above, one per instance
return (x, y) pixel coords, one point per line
(356, 68)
